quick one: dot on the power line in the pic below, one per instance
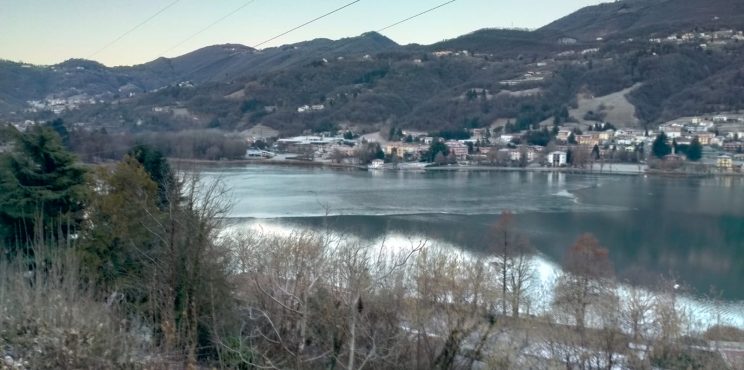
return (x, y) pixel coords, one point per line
(210, 25)
(306, 23)
(134, 28)
(416, 16)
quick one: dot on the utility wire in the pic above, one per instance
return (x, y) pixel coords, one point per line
(416, 16)
(134, 28)
(306, 23)
(210, 26)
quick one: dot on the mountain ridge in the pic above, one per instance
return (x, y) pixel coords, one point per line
(371, 80)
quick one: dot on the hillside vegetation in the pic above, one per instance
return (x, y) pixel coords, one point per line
(370, 81)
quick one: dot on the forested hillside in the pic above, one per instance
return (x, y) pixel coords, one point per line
(686, 57)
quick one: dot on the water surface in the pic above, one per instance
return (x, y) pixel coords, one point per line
(690, 228)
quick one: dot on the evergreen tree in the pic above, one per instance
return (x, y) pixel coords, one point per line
(156, 165)
(695, 151)
(40, 181)
(116, 237)
(435, 148)
(661, 148)
(572, 139)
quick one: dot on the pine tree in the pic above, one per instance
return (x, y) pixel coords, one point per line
(661, 148)
(156, 165)
(40, 182)
(695, 151)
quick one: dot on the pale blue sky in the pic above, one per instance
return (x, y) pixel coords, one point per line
(51, 31)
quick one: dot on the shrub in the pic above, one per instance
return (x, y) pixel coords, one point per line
(49, 319)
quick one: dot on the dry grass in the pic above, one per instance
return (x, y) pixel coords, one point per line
(49, 320)
(616, 108)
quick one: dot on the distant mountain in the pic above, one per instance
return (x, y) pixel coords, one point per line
(482, 78)
(22, 82)
(642, 17)
(225, 62)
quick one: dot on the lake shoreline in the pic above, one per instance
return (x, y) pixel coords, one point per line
(182, 162)
(263, 162)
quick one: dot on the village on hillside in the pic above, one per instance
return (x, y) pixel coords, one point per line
(713, 144)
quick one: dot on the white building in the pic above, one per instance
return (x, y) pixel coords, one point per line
(376, 164)
(557, 159)
(672, 130)
(506, 139)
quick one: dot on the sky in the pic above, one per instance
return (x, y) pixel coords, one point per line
(52, 31)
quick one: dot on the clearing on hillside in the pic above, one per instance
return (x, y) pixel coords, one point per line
(614, 108)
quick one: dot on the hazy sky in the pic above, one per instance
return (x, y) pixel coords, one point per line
(51, 31)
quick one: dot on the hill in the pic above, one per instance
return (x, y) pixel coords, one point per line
(369, 81)
(644, 17)
(24, 82)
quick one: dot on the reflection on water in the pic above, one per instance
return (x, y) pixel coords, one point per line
(692, 228)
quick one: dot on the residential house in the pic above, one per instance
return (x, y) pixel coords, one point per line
(724, 162)
(672, 130)
(624, 140)
(706, 138)
(458, 149)
(557, 159)
(563, 135)
(733, 146)
(606, 135)
(516, 154)
(404, 150)
(588, 139)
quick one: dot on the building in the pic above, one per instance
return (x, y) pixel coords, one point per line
(557, 159)
(733, 146)
(458, 149)
(376, 164)
(563, 135)
(724, 162)
(705, 138)
(606, 135)
(672, 130)
(516, 154)
(588, 139)
(301, 143)
(258, 154)
(310, 108)
(404, 150)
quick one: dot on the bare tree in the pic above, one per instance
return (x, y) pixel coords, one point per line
(322, 301)
(337, 156)
(451, 319)
(587, 277)
(511, 251)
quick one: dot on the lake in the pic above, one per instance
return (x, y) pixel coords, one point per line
(689, 228)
